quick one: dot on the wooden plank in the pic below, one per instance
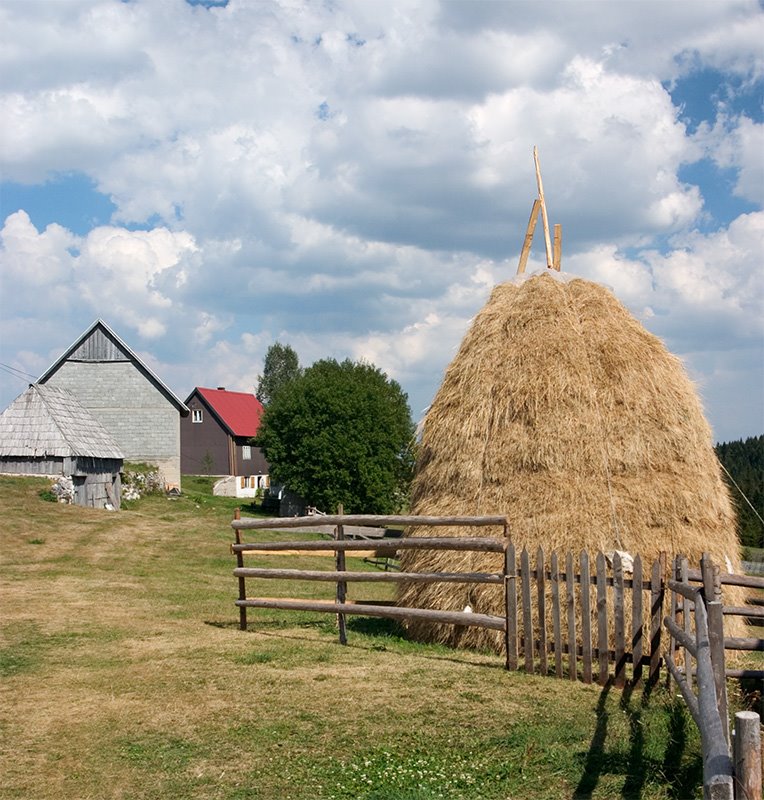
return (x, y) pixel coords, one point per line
(525, 252)
(477, 544)
(637, 625)
(619, 622)
(555, 574)
(341, 585)
(525, 572)
(656, 613)
(557, 260)
(687, 607)
(372, 520)
(390, 612)
(716, 644)
(541, 605)
(510, 569)
(602, 626)
(673, 605)
(749, 581)
(544, 218)
(586, 617)
(370, 577)
(570, 602)
(317, 553)
(736, 643)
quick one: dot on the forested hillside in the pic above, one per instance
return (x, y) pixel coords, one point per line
(744, 460)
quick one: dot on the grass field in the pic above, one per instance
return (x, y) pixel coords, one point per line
(124, 675)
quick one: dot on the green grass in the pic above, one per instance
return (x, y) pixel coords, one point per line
(124, 675)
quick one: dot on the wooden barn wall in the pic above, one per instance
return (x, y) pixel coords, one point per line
(98, 347)
(16, 465)
(98, 489)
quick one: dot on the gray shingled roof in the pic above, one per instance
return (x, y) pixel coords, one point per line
(47, 421)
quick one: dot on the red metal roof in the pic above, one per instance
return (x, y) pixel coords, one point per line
(239, 411)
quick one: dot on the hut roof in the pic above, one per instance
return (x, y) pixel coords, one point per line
(48, 421)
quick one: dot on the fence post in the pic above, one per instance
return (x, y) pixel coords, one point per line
(747, 756)
(586, 621)
(687, 608)
(637, 626)
(716, 641)
(673, 646)
(603, 644)
(341, 585)
(510, 602)
(555, 568)
(242, 583)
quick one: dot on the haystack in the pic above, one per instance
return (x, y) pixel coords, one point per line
(563, 413)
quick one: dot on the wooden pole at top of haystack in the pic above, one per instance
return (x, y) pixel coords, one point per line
(544, 218)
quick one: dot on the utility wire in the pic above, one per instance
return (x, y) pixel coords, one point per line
(742, 493)
(18, 372)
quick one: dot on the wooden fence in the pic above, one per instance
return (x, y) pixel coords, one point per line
(562, 615)
(725, 775)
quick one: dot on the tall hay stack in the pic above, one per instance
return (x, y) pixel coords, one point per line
(563, 413)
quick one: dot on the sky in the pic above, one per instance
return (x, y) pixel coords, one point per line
(352, 177)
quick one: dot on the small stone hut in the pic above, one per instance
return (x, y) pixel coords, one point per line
(47, 431)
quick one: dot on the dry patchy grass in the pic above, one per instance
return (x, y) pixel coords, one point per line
(124, 676)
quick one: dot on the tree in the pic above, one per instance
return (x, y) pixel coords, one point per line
(280, 368)
(341, 434)
(744, 465)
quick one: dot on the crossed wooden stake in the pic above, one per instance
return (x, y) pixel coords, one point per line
(553, 258)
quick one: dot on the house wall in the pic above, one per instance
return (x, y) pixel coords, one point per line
(257, 465)
(200, 438)
(145, 424)
(18, 465)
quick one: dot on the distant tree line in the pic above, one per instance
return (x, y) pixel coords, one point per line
(744, 461)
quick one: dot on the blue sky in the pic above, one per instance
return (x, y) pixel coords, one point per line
(352, 178)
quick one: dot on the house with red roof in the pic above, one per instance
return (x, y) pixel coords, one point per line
(215, 439)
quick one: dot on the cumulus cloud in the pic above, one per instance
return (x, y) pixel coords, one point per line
(354, 177)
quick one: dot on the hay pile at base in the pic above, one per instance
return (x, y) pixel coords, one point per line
(562, 412)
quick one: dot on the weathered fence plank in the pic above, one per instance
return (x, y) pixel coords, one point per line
(656, 612)
(747, 755)
(586, 617)
(541, 594)
(637, 624)
(525, 570)
(570, 601)
(341, 585)
(687, 607)
(370, 577)
(510, 602)
(602, 626)
(555, 575)
(477, 544)
(619, 621)
(370, 520)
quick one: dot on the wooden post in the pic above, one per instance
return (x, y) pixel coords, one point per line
(747, 756)
(602, 637)
(570, 598)
(716, 643)
(586, 617)
(525, 569)
(341, 585)
(544, 218)
(242, 581)
(556, 615)
(656, 616)
(541, 594)
(557, 246)
(673, 646)
(619, 622)
(687, 608)
(525, 252)
(510, 572)
(636, 622)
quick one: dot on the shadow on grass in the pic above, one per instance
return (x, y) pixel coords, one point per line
(682, 774)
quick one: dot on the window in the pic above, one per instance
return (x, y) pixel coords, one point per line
(196, 415)
(243, 483)
(246, 452)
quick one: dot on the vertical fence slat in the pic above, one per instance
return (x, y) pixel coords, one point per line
(510, 567)
(586, 617)
(716, 645)
(656, 620)
(602, 626)
(525, 571)
(636, 621)
(673, 646)
(619, 622)
(341, 585)
(747, 755)
(687, 608)
(555, 571)
(242, 581)
(570, 602)
(541, 595)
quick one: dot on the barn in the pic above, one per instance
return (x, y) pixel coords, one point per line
(125, 396)
(47, 431)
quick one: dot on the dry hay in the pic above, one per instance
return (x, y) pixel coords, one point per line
(561, 411)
